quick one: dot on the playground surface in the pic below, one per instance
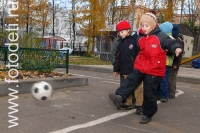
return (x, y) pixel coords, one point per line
(87, 109)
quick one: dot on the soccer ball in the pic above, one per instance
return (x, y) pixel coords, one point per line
(42, 90)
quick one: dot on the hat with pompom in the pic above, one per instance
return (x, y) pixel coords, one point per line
(123, 25)
(149, 18)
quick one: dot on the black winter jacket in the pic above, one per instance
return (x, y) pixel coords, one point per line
(127, 51)
(177, 60)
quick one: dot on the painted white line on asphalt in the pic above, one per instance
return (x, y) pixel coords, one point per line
(179, 92)
(95, 122)
(104, 119)
(110, 82)
(96, 77)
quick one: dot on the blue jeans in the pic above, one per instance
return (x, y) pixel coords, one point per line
(162, 90)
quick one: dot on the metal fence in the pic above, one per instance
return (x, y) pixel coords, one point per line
(79, 48)
(34, 59)
(103, 55)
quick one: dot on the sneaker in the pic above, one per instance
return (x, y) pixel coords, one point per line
(145, 119)
(139, 111)
(111, 97)
(163, 100)
(116, 99)
(125, 107)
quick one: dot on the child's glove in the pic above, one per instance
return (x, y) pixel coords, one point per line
(178, 51)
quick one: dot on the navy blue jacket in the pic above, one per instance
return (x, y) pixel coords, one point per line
(127, 51)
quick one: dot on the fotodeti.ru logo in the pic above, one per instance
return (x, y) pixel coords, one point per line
(12, 64)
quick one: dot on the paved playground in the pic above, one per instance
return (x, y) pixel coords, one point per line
(87, 109)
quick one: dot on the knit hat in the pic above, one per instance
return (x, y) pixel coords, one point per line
(123, 25)
(175, 30)
(149, 18)
(166, 27)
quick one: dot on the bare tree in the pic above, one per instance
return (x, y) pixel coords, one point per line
(73, 22)
(54, 9)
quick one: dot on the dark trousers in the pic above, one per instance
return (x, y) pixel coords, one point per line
(150, 84)
(162, 91)
(172, 82)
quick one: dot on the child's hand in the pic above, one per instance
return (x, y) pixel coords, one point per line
(178, 51)
(115, 74)
(174, 67)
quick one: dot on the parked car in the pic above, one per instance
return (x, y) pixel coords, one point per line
(66, 48)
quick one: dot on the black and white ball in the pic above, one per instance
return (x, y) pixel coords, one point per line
(42, 90)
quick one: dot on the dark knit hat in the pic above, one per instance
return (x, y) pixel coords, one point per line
(149, 18)
(123, 25)
(175, 30)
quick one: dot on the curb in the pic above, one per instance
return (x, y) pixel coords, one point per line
(188, 79)
(93, 69)
(24, 86)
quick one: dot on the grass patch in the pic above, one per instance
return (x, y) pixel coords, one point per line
(82, 60)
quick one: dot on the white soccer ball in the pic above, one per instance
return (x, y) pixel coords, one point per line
(42, 90)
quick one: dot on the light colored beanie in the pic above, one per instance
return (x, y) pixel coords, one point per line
(166, 27)
(149, 18)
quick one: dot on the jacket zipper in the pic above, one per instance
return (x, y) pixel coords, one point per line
(146, 62)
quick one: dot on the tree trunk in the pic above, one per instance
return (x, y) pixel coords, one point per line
(53, 18)
(73, 23)
(27, 27)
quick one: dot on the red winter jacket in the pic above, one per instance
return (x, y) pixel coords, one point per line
(151, 58)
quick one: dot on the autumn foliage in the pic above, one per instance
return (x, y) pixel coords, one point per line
(30, 13)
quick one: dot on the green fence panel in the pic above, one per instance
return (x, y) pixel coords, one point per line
(35, 59)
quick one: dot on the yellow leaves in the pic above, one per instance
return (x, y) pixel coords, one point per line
(168, 8)
(31, 12)
(29, 74)
(93, 15)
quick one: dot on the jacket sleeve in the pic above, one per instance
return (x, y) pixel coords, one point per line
(169, 44)
(114, 50)
(135, 39)
(116, 64)
(177, 60)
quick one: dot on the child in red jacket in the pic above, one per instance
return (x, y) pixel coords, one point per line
(149, 65)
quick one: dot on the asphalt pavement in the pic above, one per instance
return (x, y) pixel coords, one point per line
(87, 109)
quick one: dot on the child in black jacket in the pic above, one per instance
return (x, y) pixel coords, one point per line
(124, 62)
